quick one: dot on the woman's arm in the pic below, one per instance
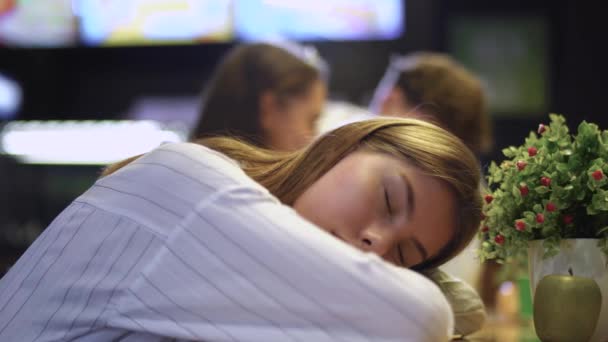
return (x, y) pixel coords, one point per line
(243, 267)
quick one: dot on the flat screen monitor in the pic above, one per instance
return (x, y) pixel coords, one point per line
(59, 23)
(319, 19)
(150, 22)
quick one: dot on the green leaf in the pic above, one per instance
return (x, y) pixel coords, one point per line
(556, 120)
(541, 189)
(591, 210)
(497, 176)
(493, 167)
(510, 151)
(515, 192)
(562, 167)
(599, 201)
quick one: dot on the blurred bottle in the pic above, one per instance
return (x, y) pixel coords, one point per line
(507, 303)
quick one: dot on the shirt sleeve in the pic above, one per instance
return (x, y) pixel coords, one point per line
(243, 267)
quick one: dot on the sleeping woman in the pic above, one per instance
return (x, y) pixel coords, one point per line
(220, 240)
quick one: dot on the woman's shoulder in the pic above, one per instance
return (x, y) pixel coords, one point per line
(167, 183)
(198, 153)
(195, 162)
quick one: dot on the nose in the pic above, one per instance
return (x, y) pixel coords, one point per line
(377, 240)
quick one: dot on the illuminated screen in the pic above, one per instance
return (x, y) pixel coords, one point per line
(44, 23)
(142, 22)
(319, 19)
(56, 23)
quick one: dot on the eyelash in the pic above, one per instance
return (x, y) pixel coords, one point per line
(390, 213)
(388, 203)
(400, 252)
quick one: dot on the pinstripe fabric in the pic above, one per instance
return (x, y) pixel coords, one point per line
(182, 245)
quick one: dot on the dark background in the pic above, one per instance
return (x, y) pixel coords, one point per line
(102, 83)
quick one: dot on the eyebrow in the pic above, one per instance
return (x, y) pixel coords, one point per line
(410, 195)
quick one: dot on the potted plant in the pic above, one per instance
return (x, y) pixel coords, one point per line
(549, 200)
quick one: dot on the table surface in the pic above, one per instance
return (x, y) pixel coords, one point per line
(504, 331)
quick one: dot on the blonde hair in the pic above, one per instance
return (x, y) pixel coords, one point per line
(430, 148)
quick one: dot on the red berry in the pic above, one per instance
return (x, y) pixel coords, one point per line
(568, 219)
(489, 198)
(532, 151)
(521, 165)
(524, 190)
(485, 229)
(540, 218)
(598, 175)
(499, 239)
(550, 207)
(541, 128)
(520, 225)
(546, 181)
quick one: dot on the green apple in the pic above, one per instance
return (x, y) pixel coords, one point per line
(566, 308)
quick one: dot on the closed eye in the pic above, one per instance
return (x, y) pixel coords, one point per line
(401, 259)
(388, 203)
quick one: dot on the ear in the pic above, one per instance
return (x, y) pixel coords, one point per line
(401, 106)
(394, 102)
(395, 94)
(270, 112)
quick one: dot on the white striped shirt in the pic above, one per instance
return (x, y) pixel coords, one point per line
(182, 245)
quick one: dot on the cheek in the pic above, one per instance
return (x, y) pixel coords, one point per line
(436, 221)
(337, 205)
(306, 120)
(299, 126)
(316, 205)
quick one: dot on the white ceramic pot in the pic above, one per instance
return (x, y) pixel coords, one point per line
(585, 259)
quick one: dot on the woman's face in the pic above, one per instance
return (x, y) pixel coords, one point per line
(291, 124)
(381, 204)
